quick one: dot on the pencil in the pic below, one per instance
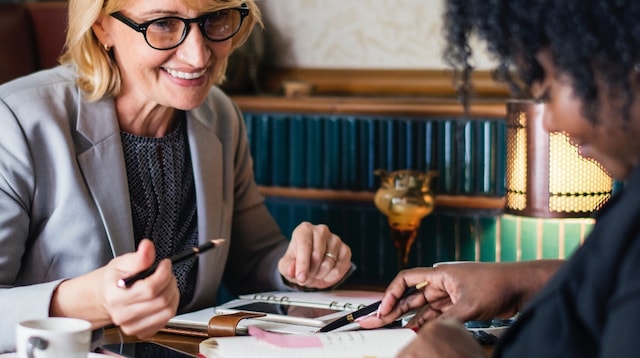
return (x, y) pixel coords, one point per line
(176, 259)
(345, 320)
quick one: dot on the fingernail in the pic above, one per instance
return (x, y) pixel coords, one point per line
(365, 316)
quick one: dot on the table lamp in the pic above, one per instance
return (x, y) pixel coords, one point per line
(545, 175)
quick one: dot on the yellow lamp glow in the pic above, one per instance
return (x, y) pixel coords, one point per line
(545, 174)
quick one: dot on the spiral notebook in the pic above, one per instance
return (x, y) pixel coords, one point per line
(345, 300)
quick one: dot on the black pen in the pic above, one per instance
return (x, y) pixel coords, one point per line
(349, 318)
(183, 256)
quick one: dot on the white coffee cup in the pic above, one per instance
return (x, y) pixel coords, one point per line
(53, 338)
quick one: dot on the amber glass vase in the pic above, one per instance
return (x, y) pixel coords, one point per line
(404, 197)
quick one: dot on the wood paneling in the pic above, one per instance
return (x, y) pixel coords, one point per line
(448, 201)
(379, 106)
(432, 83)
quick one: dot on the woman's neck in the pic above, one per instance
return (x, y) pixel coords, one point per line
(156, 121)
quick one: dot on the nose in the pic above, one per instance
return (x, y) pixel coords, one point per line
(194, 50)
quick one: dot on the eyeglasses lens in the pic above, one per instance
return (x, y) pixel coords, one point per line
(165, 33)
(222, 24)
(216, 26)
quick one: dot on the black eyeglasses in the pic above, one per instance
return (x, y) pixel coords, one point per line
(169, 32)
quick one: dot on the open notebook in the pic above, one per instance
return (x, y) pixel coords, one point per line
(379, 343)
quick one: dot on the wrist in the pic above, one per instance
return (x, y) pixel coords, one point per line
(532, 276)
(76, 298)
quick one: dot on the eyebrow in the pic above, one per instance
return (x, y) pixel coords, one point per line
(158, 12)
(162, 13)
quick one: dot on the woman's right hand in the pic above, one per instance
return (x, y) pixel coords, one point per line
(140, 310)
(463, 291)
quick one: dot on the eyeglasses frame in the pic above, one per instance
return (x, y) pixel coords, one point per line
(142, 27)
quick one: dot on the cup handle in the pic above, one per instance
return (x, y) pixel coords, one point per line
(35, 343)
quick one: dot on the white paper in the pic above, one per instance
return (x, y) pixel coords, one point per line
(380, 343)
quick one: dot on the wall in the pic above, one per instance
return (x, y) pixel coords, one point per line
(356, 34)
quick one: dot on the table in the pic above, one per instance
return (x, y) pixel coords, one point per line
(181, 342)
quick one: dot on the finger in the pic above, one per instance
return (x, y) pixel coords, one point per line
(340, 266)
(287, 268)
(310, 251)
(299, 254)
(424, 315)
(344, 258)
(143, 258)
(156, 293)
(328, 268)
(321, 245)
(460, 312)
(397, 287)
(152, 316)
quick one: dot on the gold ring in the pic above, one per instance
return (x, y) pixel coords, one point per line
(331, 256)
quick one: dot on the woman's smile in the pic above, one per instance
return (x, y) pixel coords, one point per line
(185, 75)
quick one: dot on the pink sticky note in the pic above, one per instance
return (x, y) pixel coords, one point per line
(285, 340)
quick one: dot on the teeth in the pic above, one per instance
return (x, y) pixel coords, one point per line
(185, 75)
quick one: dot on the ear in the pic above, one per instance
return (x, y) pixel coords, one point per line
(101, 30)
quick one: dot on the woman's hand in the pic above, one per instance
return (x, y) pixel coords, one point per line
(463, 291)
(443, 338)
(315, 257)
(140, 310)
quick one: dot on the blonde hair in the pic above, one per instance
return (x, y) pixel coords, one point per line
(98, 72)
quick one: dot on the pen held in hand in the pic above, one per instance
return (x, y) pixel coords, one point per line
(176, 259)
(351, 317)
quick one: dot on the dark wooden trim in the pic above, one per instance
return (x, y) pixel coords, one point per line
(449, 201)
(433, 83)
(376, 106)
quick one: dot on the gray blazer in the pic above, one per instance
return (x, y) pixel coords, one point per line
(64, 198)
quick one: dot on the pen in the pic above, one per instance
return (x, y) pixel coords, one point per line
(349, 318)
(178, 258)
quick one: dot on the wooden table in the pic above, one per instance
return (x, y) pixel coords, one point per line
(182, 342)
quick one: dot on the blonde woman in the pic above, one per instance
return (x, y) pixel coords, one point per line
(128, 153)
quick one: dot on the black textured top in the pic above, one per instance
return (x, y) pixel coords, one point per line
(163, 201)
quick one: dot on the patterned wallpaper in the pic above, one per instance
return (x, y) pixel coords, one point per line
(369, 34)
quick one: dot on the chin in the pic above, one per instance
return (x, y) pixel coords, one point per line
(188, 104)
(617, 171)
(186, 108)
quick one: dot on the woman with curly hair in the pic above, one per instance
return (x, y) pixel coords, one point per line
(582, 59)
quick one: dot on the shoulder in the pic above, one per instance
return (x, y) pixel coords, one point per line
(220, 102)
(38, 82)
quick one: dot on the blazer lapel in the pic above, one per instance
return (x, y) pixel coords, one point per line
(206, 158)
(101, 161)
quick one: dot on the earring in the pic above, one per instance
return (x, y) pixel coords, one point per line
(106, 47)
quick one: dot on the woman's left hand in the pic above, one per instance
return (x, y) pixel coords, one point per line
(316, 257)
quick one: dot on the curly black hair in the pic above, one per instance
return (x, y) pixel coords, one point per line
(586, 38)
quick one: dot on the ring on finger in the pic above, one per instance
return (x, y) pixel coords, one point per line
(331, 256)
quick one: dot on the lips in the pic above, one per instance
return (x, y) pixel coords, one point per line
(185, 75)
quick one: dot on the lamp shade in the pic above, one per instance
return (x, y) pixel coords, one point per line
(545, 175)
